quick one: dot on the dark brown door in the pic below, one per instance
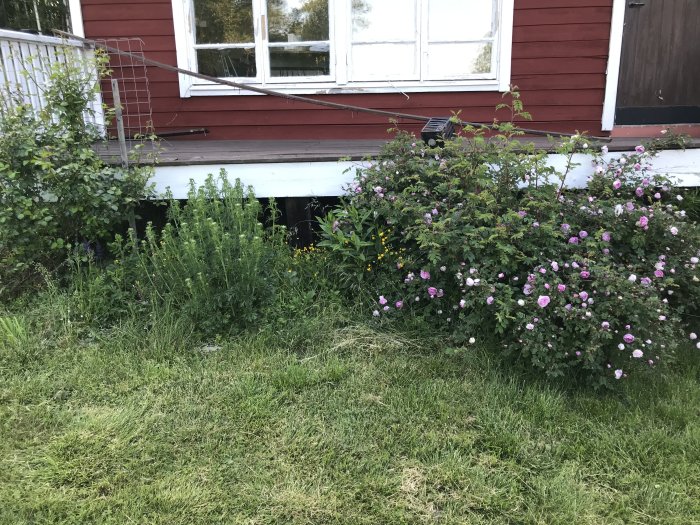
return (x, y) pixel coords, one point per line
(660, 64)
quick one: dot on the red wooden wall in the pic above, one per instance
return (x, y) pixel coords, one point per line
(559, 59)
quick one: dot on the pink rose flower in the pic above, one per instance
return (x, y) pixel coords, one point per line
(543, 301)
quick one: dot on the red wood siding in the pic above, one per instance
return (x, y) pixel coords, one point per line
(559, 60)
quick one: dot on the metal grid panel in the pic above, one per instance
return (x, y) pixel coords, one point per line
(134, 91)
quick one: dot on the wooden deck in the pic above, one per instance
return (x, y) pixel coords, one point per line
(214, 152)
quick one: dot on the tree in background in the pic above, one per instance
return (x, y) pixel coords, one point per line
(34, 15)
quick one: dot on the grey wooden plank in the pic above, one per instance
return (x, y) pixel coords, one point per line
(193, 152)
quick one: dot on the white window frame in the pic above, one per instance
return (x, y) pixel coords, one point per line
(338, 82)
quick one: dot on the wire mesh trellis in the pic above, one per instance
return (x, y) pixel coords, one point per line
(131, 75)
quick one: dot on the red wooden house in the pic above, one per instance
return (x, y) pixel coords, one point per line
(576, 68)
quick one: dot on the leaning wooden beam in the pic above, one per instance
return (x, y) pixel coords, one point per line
(298, 98)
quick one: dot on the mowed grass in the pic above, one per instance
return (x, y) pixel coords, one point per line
(359, 427)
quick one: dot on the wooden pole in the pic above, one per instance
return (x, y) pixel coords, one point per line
(120, 123)
(121, 137)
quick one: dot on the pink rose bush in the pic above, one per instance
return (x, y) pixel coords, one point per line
(558, 297)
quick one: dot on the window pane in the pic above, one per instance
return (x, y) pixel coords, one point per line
(384, 62)
(297, 20)
(300, 61)
(223, 21)
(459, 20)
(227, 62)
(383, 20)
(458, 60)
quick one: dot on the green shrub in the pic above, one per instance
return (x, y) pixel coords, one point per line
(214, 261)
(55, 192)
(482, 240)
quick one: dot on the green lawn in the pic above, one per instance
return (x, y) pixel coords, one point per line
(359, 428)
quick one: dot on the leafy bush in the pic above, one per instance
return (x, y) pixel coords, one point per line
(55, 192)
(482, 239)
(214, 261)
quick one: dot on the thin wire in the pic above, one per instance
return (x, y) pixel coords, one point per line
(307, 100)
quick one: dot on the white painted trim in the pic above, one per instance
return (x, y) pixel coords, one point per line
(505, 44)
(21, 36)
(76, 18)
(184, 43)
(617, 25)
(186, 59)
(283, 179)
(329, 179)
(211, 89)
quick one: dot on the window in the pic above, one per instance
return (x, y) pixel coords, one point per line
(312, 46)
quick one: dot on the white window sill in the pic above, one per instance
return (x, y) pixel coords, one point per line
(329, 88)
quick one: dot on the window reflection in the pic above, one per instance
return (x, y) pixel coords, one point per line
(291, 24)
(223, 21)
(297, 20)
(235, 62)
(297, 61)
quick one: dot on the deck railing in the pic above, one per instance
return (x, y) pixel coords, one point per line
(26, 61)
